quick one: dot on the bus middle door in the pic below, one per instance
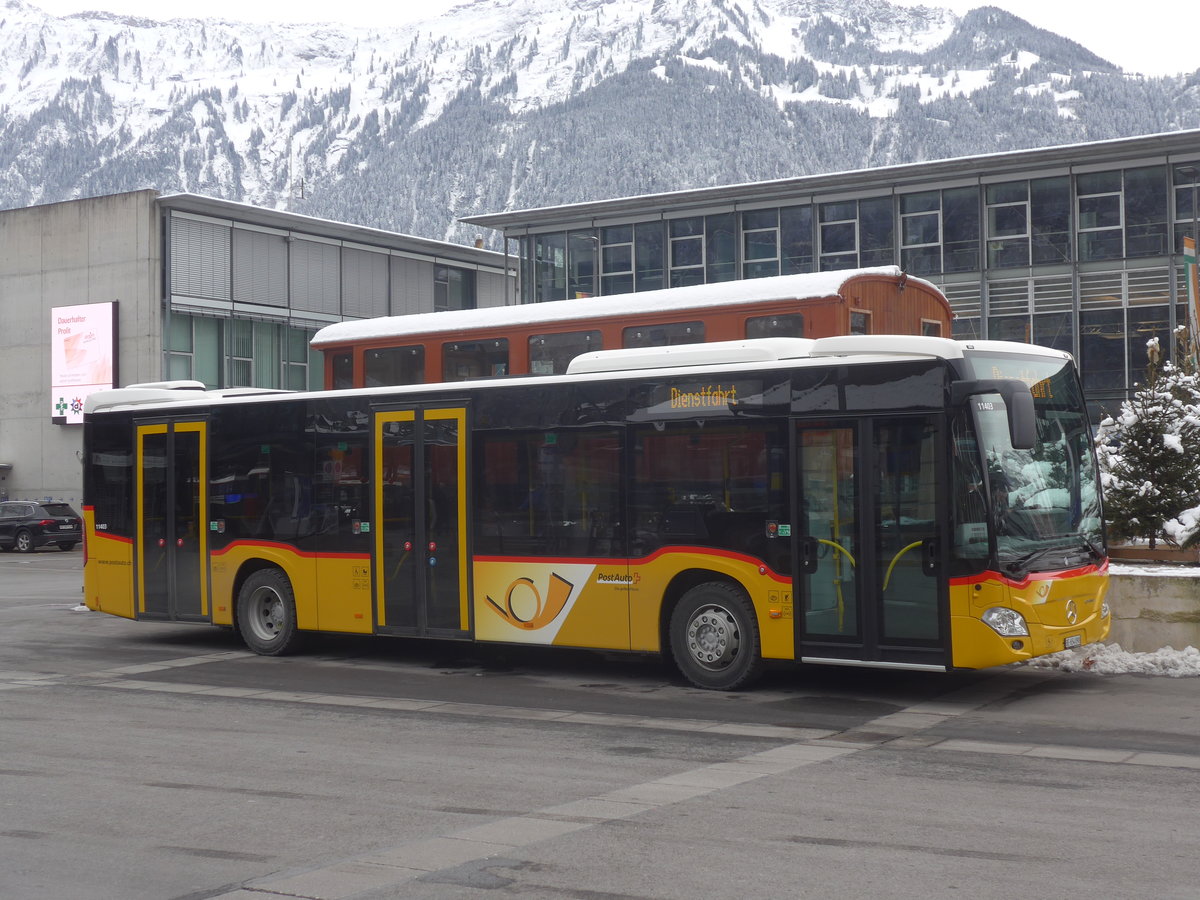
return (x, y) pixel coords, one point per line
(869, 585)
(420, 522)
(172, 500)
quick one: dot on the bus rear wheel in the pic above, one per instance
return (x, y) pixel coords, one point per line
(266, 613)
(714, 637)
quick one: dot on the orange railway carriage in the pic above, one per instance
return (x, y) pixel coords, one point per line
(542, 338)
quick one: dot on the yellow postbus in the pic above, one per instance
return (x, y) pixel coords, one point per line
(895, 501)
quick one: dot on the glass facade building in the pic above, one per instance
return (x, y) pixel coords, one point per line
(1077, 248)
(246, 288)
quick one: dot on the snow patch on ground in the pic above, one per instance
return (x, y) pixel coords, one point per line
(1110, 659)
(1154, 570)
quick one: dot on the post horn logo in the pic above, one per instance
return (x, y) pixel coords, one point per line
(523, 606)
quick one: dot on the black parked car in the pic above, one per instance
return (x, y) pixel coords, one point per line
(26, 525)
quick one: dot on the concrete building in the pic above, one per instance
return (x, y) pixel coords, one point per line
(224, 293)
(1075, 247)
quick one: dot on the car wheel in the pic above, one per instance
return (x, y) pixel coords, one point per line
(24, 542)
(266, 613)
(714, 637)
(70, 545)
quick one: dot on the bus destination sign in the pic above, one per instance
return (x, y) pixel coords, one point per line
(693, 399)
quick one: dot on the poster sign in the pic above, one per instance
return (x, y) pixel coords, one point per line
(83, 357)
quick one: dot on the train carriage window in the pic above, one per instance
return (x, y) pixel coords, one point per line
(343, 371)
(789, 325)
(663, 335)
(549, 354)
(464, 360)
(394, 365)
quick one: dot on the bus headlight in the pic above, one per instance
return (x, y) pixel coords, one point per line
(1104, 610)
(1006, 622)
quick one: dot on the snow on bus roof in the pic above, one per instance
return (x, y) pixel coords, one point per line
(749, 290)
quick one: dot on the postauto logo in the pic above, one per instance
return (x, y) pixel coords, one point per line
(628, 579)
(524, 605)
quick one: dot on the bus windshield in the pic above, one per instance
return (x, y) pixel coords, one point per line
(1043, 505)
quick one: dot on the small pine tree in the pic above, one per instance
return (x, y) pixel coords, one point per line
(1149, 452)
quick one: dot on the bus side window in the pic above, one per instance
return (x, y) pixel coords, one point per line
(555, 493)
(713, 487)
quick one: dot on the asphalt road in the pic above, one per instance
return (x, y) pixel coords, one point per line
(160, 762)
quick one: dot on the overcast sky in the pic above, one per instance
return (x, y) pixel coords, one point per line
(1147, 36)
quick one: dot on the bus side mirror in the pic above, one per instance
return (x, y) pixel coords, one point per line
(1018, 401)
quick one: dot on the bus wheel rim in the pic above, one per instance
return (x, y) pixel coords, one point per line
(712, 637)
(267, 614)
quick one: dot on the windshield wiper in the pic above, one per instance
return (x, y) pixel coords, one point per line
(1062, 557)
(1020, 565)
(1092, 546)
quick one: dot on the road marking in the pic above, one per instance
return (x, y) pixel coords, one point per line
(477, 710)
(415, 859)
(1079, 754)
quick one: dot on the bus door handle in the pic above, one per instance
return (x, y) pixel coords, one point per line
(808, 554)
(929, 556)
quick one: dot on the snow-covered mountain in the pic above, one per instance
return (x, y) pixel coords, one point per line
(501, 104)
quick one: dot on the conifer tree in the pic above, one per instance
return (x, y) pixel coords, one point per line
(1149, 453)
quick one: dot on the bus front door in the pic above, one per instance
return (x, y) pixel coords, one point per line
(420, 522)
(867, 543)
(172, 497)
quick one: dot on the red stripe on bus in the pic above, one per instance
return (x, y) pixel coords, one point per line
(119, 538)
(289, 548)
(1056, 575)
(636, 561)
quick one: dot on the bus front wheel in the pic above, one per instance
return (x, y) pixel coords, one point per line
(266, 613)
(714, 637)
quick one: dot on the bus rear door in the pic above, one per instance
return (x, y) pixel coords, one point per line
(420, 522)
(172, 538)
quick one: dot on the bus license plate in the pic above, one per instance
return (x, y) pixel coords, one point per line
(1072, 641)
